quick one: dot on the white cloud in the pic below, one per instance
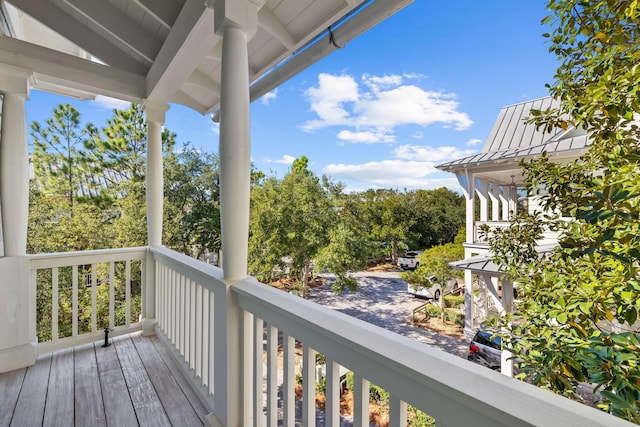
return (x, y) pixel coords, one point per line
(269, 96)
(111, 103)
(392, 174)
(366, 137)
(426, 153)
(328, 99)
(473, 142)
(285, 160)
(378, 104)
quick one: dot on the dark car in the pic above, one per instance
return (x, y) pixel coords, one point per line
(485, 349)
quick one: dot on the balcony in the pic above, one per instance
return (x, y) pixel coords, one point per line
(224, 354)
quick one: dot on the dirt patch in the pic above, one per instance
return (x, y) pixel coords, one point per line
(435, 325)
(289, 284)
(384, 267)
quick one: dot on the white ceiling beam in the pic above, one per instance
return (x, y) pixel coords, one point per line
(60, 22)
(199, 78)
(190, 40)
(70, 71)
(119, 25)
(164, 11)
(268, 21)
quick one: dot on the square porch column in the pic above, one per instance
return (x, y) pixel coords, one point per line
(17, 296)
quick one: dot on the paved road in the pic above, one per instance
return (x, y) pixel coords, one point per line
(383, 301)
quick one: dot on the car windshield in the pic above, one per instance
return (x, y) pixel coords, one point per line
(487, 338)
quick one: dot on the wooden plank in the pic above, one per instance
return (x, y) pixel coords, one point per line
(182, 381)
(174, 401)
(59, 410)
(10, 385)
(31, 402)
(145, 401)
(88, 394)
(118, 408)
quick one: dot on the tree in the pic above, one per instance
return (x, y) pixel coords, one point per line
(348, 245)
(58, 156)
(434, 266)
(192, 208)
(289, 220)
(580, 303)
(438, 215)
(390, 217)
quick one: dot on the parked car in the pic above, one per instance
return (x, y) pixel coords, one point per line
(485, 349)
(410, 261)
(431, 290)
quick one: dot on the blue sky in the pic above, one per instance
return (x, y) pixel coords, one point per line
(421, 88)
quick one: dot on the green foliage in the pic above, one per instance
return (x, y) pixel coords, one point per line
(453, 301)
(577, 319)
(417, 418)
(192, 208)
(434, 262)
(59, 160)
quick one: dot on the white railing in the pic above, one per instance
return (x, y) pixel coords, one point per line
(478, 236)
(79, 294)
(246, 362)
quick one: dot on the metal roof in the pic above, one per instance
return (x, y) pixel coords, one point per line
(483, 264)
(167, 51)
(511, 138)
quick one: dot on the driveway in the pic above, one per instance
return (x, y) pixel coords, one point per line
(383, 300)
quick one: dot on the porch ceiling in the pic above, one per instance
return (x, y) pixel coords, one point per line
(166, 50)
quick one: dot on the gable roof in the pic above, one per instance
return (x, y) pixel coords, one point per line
(511, 138)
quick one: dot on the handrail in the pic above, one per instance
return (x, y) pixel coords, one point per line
(450, 389)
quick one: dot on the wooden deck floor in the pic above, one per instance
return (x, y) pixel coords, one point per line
(133, 382)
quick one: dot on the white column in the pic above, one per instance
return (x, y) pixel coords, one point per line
(506, 365)
(236, 21)
(504, 201)
(17, 294)
(155, 114)
(483, 191)
(468, 188)
(235, 150)
(495, 202)
(14, 165)
(155, 183)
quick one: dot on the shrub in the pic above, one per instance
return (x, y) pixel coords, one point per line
(453, 301)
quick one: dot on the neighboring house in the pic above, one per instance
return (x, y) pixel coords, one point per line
(493, 178)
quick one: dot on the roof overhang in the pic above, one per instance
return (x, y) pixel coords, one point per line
(167, 50)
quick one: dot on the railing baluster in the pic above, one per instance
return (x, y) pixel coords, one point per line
(94, 299)
(127, 293)
(258, 372)
(397, 411)
(204, 350)
(112, 294)
(360, 401)
(198, 354)
(54, 304)
(183, 313)
(288, 383)
(74, 301)
(192, 323)
(308, 386)
(247, 369)
(332, 393)
(210, 362)
(272, 376)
